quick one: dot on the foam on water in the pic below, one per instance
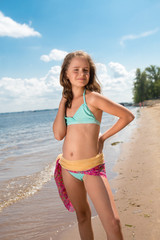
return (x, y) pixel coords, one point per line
(23, 187)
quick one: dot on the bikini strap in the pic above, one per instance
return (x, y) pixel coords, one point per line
(84, 93)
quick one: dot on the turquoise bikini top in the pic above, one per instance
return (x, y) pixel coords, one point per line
(82, 115)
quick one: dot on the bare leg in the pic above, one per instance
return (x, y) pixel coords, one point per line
(78, 197)
(102, 199)
(106, 183)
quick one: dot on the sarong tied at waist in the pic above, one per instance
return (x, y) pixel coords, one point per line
(83, 164)
(92, 166)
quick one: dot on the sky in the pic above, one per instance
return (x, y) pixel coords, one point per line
(35, 36)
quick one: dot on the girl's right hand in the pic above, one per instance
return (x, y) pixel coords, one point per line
(63, 100)
(100, 145)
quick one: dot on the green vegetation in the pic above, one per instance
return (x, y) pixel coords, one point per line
(115, 143)
(147, 84)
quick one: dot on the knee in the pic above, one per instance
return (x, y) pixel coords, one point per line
(83, 216)
(116, 225)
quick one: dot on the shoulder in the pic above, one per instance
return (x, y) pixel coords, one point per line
(95, 98)
(102, 102)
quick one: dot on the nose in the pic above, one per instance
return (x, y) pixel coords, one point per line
(82, 72)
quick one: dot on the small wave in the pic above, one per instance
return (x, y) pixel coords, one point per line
(23, 187)
(9, 148)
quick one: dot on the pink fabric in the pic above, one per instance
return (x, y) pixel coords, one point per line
(96, 171)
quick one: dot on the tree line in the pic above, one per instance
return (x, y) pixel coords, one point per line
(146, 84)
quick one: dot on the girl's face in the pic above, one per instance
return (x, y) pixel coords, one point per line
(78, 72)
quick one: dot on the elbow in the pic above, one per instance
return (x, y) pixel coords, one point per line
(59, 133)
(131, 117)
(59, 137)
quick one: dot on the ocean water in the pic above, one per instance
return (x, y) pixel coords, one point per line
(30, 207)
(27, 153)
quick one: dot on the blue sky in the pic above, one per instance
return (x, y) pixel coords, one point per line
(35, 35)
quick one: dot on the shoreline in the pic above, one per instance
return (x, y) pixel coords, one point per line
(137, 192)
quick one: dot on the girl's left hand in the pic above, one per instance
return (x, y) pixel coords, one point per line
(100, 145)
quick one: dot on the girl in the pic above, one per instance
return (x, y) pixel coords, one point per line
(80, 170)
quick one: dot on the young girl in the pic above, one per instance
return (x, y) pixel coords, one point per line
(80, 169)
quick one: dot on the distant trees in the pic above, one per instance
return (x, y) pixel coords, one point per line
(146, 84)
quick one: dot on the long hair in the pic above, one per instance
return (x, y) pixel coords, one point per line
(92, 85)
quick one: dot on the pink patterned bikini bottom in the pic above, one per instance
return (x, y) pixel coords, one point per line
(91, 166)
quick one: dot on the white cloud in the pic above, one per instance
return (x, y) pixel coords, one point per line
(17, 94)
(103, 76)
(55, 54)
(52, 77)
(118, 69)
(22, 88)
(10, 28)
(116, 81)
(141, 35)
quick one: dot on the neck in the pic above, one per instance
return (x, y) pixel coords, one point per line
(77, 92)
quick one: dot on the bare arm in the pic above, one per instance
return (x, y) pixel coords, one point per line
(59, 125)
(106, 105)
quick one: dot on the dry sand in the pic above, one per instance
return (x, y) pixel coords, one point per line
(138, 183)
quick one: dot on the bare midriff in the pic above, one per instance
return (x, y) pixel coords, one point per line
(81, 141)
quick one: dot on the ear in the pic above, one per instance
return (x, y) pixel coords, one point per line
(67, 77)
(66, 74)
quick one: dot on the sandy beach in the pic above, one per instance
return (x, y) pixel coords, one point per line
(137, 185)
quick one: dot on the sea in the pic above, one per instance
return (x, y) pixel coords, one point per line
(30, 207)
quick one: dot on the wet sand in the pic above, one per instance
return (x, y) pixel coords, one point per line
(138, 183)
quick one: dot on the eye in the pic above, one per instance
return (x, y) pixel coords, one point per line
(75, 69)
(85, 71)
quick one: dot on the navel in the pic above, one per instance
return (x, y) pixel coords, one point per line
(71, 154)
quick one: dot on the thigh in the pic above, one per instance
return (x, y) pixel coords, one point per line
(76, 191)
(111, 197)
(99, 191)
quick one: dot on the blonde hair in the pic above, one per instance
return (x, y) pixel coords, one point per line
(92, 85)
